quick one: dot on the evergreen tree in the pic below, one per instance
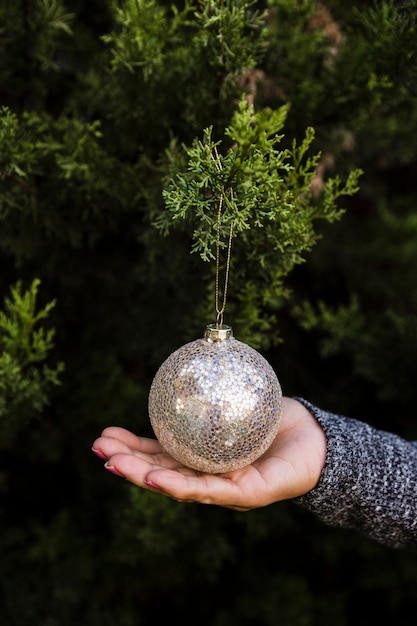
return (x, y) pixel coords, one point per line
(124, 126)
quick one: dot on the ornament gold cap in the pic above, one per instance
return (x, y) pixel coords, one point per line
(218, 333)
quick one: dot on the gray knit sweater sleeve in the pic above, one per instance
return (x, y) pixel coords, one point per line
(369, 481)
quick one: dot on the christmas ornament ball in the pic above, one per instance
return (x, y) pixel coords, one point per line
(215, 404)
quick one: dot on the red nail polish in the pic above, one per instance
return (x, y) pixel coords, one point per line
(113, 470)
(150, 483)
(99, 453)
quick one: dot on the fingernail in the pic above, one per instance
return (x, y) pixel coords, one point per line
(113, 470)
(99, 453)
(150, 483)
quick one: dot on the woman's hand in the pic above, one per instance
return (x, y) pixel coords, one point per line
(289, 468)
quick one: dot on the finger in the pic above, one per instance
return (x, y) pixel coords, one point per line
(194, 487)
(181, 483)
(131, 467)
(131, 440)
(105, 447)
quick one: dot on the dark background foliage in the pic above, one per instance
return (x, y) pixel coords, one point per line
(95, 94)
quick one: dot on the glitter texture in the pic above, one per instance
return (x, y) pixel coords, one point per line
(215, 406)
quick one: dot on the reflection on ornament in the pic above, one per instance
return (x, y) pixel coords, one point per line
(215, 404)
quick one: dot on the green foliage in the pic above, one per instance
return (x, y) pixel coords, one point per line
(49, 20)
(151, 37)
(375, 314)
(193, 54)
(144, 36)
(36, 36)
(26, 381)
(151, 520)
(266, 195)
(56, 182)
(119, 115)
(327, 65)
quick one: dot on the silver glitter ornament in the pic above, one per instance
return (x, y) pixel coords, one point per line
(215, 404)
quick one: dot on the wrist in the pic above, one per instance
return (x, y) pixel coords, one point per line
(311, 437)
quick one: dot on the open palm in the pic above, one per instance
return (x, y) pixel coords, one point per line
(289, 468)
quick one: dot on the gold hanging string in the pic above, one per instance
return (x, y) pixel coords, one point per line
(220, 311)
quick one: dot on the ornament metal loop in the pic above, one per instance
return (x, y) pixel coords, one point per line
(218, 333)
